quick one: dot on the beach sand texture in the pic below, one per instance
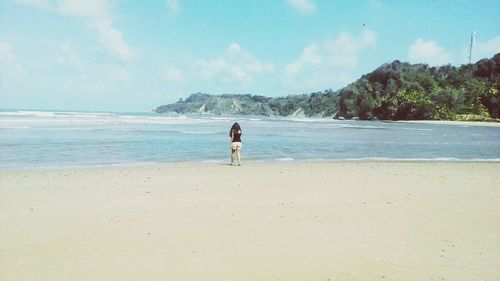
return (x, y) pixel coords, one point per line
(284, 221)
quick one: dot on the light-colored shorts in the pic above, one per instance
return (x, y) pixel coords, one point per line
(236, 145)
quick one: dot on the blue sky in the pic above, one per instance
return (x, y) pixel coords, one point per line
(128, 55)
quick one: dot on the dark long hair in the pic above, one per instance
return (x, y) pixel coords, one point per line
(236, 127)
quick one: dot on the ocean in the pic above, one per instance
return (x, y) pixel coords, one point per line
(62, 139)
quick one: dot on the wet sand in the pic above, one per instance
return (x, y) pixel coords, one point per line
(285, 221)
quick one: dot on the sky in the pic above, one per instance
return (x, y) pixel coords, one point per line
(132, 56)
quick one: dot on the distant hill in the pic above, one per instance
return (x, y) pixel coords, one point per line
(394, 91)
(315, 104)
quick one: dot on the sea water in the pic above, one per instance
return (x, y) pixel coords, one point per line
(59, 139)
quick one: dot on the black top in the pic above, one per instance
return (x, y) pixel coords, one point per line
(236, 135)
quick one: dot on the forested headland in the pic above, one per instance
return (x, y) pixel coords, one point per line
(393, 91)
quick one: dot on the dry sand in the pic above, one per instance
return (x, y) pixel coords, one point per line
(309, 221)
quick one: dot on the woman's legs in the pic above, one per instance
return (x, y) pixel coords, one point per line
(232, 156)
(238, 154)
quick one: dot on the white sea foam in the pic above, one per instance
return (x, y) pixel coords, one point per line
(349, 126)
(220, 118)
(284, 159)
(361, 127)
(10, 118)
(199, 132)
(54, 114)
(308, 120)
(415, 129)
(15, 127)
(28, 113)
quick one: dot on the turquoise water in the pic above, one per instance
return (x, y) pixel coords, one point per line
(49, 139)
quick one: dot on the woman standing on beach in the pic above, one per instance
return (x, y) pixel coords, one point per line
(235, 143)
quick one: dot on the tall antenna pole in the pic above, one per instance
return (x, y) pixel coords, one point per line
(472, 39)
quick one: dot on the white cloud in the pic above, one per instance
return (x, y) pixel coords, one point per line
(236, 67)
(311, 55)
(293, 69)
(9, 67)
(18, 70)
(97, 16)
(328, 63)
(112, 39)
(486, 49)
(85, 9)
(96, 13)
(428, 52)
(118, 73)
(5, 52)
(174, 75)
(67, 56)
(303, 6)
(41, 4)
(173, 6)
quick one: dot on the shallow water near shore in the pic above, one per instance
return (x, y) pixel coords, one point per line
(58, 139)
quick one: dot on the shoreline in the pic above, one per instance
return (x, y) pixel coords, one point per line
(261, 221)
(449, 122)
(288, 161)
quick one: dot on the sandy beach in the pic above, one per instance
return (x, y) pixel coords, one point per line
(283, 221)
(448, 122)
